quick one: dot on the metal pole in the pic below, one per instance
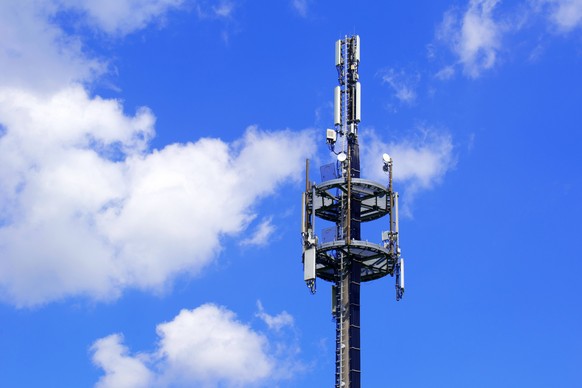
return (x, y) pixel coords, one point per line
(348, 325)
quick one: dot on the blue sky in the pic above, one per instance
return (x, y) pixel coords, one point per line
(151, 165)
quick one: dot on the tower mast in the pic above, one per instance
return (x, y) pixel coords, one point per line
(347, 200)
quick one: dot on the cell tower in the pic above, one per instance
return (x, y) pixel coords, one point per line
(342, 257)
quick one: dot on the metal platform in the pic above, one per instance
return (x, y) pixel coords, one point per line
(376, 261)
(373, 197)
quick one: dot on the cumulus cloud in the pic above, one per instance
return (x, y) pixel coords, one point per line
(35, 53)
(120, 17)
(121, 369)
(86, 208)
(207, 346)
(474, 36)
(420, 162)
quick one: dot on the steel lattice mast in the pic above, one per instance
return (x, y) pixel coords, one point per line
(347, 200)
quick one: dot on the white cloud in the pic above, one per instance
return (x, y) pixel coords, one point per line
(474, 37)
(86, 209)
(121, 17)
(300, 6)
(221, 10)
(224, 9)
(478, 35)
(402, 84)
(54, 184)
(208, 344)
(419, 162)
(445, 73)
(274, 322)
(35, 53)
(206, 347)
(262, 233)
(566, 15)
(121, 369)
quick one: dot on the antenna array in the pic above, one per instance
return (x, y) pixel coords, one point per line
(347, 200)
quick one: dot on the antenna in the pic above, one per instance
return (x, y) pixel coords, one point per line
(348, 201)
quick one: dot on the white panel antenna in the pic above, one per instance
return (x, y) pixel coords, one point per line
(331, 135)
(337, 106)
(401, 274)
(358, 105)
(338, 53)
(309, 264)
